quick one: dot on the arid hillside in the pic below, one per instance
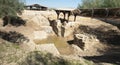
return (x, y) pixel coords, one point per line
(39, 36)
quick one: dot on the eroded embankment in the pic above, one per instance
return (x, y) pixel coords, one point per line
(98, 43)
(88, 38)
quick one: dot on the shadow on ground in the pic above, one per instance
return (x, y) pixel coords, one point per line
(109, 36)
(113, 22)
(14, 21)
(13, 37)
(107, 58)
(105, 35)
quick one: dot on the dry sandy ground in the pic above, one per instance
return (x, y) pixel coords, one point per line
(38, 28)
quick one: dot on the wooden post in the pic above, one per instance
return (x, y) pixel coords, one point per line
(75, 17)
(107, 13)
(30, 7)
(92, 12)
(68, 15)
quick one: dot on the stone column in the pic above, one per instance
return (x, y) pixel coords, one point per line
(58, 13)
(64, 13)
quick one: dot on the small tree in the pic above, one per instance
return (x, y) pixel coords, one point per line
(10, 7)
(99, 4)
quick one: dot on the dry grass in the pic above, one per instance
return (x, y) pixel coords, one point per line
(40, 58)
(61, 44)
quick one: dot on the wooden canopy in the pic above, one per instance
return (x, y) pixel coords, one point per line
(104, 12)
(36, 7)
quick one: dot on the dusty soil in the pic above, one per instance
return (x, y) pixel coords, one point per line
(37, 21)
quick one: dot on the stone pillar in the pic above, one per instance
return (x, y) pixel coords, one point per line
(58, 13)
(63, 29)
(64, 13)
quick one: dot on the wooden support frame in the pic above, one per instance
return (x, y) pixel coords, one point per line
(64, 13)
(94, 12)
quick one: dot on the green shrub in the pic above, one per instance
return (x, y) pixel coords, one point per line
(10, 7)
(99, 4)
(39, 58)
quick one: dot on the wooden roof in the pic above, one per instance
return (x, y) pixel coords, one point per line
(35, 5)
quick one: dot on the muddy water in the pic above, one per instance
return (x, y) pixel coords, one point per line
(61, 44)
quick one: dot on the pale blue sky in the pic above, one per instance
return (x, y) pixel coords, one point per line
(56, 3)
